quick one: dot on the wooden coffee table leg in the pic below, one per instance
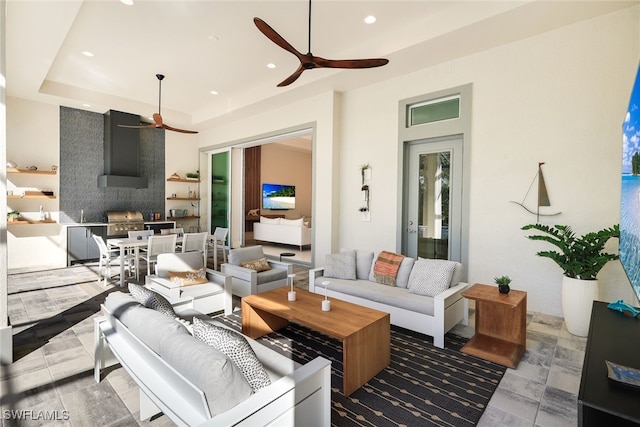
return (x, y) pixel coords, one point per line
(364, 354)
(256, 322)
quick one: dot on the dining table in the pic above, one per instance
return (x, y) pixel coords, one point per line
(134, 244)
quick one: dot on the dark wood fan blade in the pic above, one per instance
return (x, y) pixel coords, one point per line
(137, 127)
(350, 63)
(167, 127)
(275, 37)
(293, 77)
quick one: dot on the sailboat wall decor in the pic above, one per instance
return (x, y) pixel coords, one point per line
(543, 196)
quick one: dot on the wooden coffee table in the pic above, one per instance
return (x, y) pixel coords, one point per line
(364, 332)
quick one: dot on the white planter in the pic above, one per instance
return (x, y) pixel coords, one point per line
(577, 301)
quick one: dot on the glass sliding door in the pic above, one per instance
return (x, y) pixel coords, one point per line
(220, 190)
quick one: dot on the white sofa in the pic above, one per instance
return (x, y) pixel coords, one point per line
(430, 315)
(282, 230)
(192, 384)
(210, 297)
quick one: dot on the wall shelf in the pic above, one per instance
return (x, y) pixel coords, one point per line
(29, 171)
(178, 218)
(29, 221)
(183, 198)
(30, 196)
(195, 181)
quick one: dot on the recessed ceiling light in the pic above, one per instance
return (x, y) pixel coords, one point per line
(127, 2)
(271, 65)
(213, 38)
(213, 92)
(87, 53)
(370, 19)
(86, 105)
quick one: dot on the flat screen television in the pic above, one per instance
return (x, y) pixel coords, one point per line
(278, 196)
(630, 195)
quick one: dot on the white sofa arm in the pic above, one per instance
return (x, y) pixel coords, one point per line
(453, 293)
(314, 273)
(238, 272)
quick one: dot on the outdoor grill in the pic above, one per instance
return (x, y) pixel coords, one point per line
(119, 223)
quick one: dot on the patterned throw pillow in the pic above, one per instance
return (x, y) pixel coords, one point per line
(190, 277)
(429, 277)
(341, 265)
(258, 265)
(151, 299)
(236, 348)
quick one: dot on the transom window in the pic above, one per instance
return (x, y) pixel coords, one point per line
(434, 110)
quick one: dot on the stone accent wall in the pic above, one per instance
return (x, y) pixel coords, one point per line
(82, 161)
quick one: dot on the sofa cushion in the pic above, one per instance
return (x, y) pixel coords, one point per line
(138, 319)
(272, 275)
(292, 222)
(258, 265)
(151, 299)
(402, 278)
(189, 277)
(266, 220)
(238, 255)
(210, 370)
(431, 276)
(341, 265)
(236, 347)
(383, 294)
(364, 259)
(178, 262)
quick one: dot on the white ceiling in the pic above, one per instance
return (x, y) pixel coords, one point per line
(213, 45)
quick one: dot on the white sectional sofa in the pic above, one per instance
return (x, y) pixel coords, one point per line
(194, 384)
(282, 230)
(409, 307)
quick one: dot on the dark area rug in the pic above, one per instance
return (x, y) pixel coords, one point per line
(423, 385)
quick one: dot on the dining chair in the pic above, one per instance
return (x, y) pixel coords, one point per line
(158, 245)
(219, 238)
(141, 233)
(195, 242)
(109, 257)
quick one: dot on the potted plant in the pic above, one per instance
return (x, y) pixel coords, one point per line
(503, 284)
(13, 216)
(581, 259)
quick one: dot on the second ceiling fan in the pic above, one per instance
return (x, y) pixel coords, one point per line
(157, 118)
(308, 61)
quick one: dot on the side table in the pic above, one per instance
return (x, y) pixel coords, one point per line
(501, 325)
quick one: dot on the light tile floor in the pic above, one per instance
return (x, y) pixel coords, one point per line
(52, 315)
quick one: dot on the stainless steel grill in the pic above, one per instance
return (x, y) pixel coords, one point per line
(121, 222)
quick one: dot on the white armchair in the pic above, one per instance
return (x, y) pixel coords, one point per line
(209, 297)
(246, 281)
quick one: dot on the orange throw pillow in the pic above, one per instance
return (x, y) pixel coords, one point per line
(189, 277)
(258, 265)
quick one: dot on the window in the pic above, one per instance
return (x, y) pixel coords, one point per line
(434, 110)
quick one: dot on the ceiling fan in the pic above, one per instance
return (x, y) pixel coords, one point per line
(308, 61)
(157, 118)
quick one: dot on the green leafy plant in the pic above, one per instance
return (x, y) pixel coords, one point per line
(579, 257)
(502, 280)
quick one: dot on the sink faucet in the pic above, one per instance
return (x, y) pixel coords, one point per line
(81, 216)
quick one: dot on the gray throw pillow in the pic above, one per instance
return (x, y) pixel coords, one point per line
(341, 265)
(236, 348)
(429, 277)
(363, 264)
(151, 299)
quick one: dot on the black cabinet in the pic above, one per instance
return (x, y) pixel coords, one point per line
(80, 244)
(613, 336)
(157, 226)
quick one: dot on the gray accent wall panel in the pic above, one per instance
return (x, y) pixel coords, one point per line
(82, 161)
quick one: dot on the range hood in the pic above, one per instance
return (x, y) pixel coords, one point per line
(121, 152)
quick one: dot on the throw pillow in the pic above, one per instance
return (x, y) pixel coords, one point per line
(189, 277)
(236, 348)
(429, 277)
(385, 269)
(363, 264)
(257, 264)
(151, 299)
(341, 265)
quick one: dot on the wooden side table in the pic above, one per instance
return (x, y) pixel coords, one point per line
(501, 325)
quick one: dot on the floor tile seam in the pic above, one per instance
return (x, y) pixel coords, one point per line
(496, 408)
